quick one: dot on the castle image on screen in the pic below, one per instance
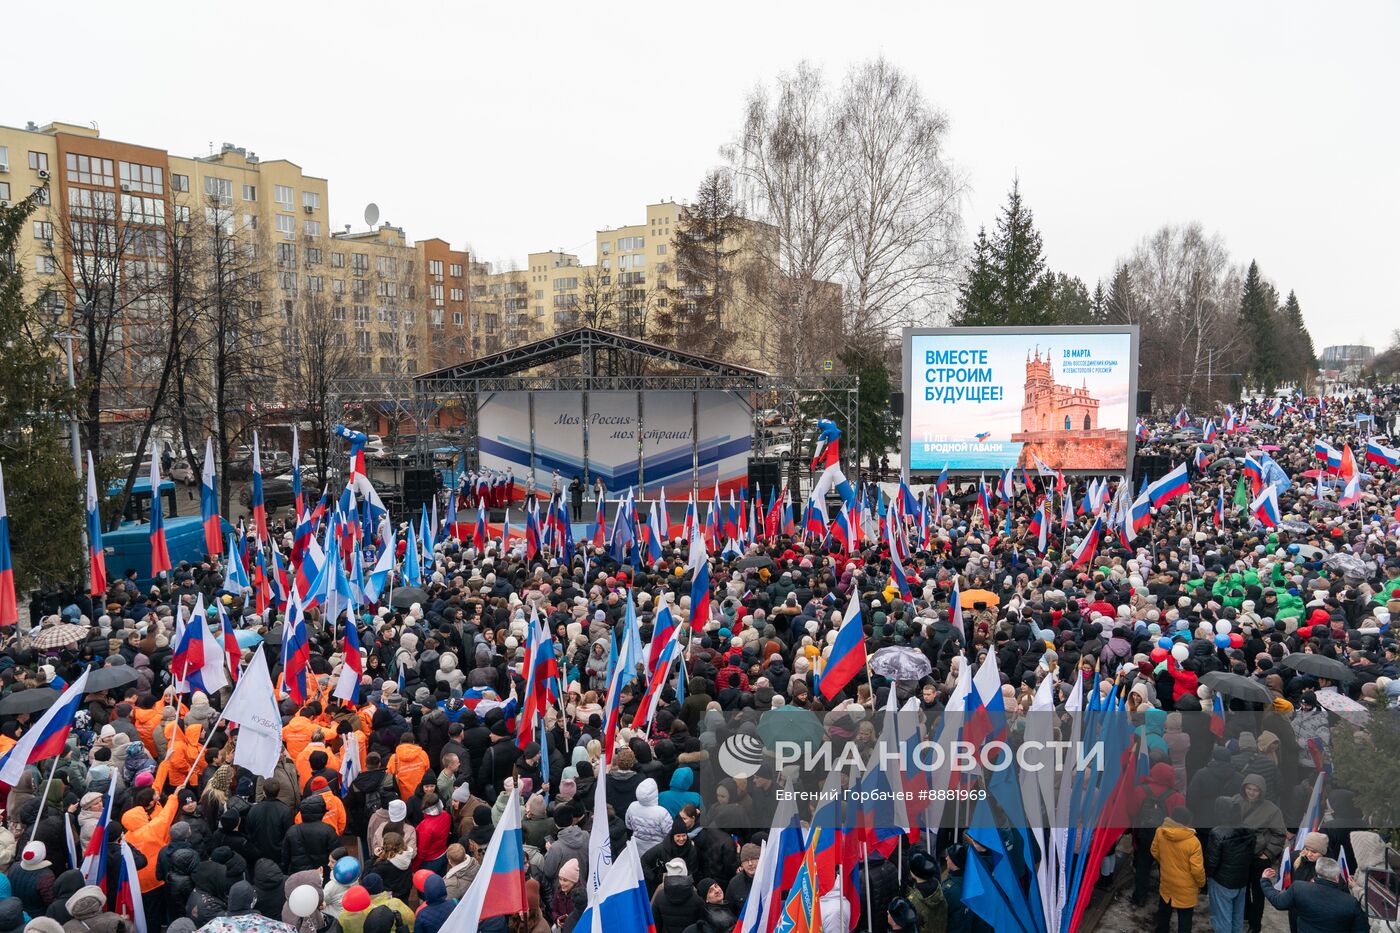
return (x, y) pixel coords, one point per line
(1060, 423)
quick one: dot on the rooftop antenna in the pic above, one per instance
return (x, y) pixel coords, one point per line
(371, 214)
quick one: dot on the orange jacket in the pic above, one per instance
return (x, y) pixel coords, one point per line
(150, 837)
(297, 734)
(408, 764)
(335, 812)
(184, 758)
(6, 743)
(303, 762)
(147, 721)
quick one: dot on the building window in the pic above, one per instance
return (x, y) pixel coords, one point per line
(565, 284)
(361, 314)
(180, 182)
(437, 317)
(337, 260)
(220, 188)
(219, 220)
(360, 288)
(437, 293)
(315, 284)
(149, 179)
(605, 247)
(250, 192)
(286, 225)
(337, 286)
(88, 170)
(250, 221)
(388, 289)
(139, 210)
(661, 249)
(4, 191)
(387, 265)
(282, 194)
(311, 199)
(287, 255)
(39, 162)
(5, 156)
(457, 318)
(287, 281)
(85, 202)
(630, 242)
(455, 294)
(359, 263)
(311, 227)
(44, 265)
(456, 270)
(313, 255)
(362, 341)
(338, 313)
(435, 268)
(43, 230)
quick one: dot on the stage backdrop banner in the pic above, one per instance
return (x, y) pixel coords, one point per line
(666, 420)
(994, 398)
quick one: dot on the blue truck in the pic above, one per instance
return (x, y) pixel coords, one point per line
(129, 546)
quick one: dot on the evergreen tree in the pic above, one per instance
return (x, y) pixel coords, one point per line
(1067, 299)
(1007, 282)
(1121, 306)
(1099, 306)
(879, 429)
(977, 295)
(1016, 255)
(1257, 323)
(41, 489)
(1301, 355)
(698, 309)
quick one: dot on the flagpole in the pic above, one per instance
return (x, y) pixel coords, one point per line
(865, 860)
(44, 797)
(190, 772)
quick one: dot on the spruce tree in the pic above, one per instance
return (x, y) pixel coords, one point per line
(1016, 256)
(41, 489)
(977, 304)
(1098, 309)
(1257, 326)
(1121, 307)
(1301, 355)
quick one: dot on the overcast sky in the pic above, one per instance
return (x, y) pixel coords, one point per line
(1272, 123)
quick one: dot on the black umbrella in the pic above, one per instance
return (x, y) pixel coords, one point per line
(29, 701)
(1319, 665)
(106, 678)
(756, 562)
(406, 596)
(1237, 686)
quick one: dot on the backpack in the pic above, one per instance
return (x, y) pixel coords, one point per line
(1153, 810)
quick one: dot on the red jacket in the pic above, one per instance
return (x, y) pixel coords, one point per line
(1161, 785)
(432, 838)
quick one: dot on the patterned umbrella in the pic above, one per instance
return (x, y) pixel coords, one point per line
(59, 636)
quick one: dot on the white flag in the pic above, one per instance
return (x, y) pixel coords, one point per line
(599, 844)
(254, 709)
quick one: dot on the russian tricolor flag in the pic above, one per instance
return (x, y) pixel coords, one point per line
(198, 660)
(499, 887)
(45, 739)
(1090, 544)
(1174, 484)
(847, 652)
(129, 890)
(1376, 452)
(97, 558)
(209, 504)
(1265, 506)
(942, 486)
(621, 901)
(94, 866)
(160, 552)
(258, 504)
(9, 606)
(347, 686)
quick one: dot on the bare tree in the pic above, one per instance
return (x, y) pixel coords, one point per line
(789, 159)
(317, 358)
(1185, 296)
(903, 197)
(110, 265)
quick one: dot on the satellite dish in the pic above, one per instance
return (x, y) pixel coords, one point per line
(371, 214)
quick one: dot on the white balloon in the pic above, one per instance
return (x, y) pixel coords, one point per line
(304, 901)
(1180, 652)
(1222, 627)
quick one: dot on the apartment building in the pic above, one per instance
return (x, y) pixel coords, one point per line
(401, 305)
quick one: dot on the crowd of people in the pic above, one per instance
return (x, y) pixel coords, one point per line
(398, 844)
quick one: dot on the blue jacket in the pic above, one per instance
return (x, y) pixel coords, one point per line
(437, 906)
(679, 793)
(1318, 906)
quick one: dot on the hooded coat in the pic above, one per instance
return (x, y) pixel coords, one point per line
(437, 906)
(1178, 853)
(649, 822)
